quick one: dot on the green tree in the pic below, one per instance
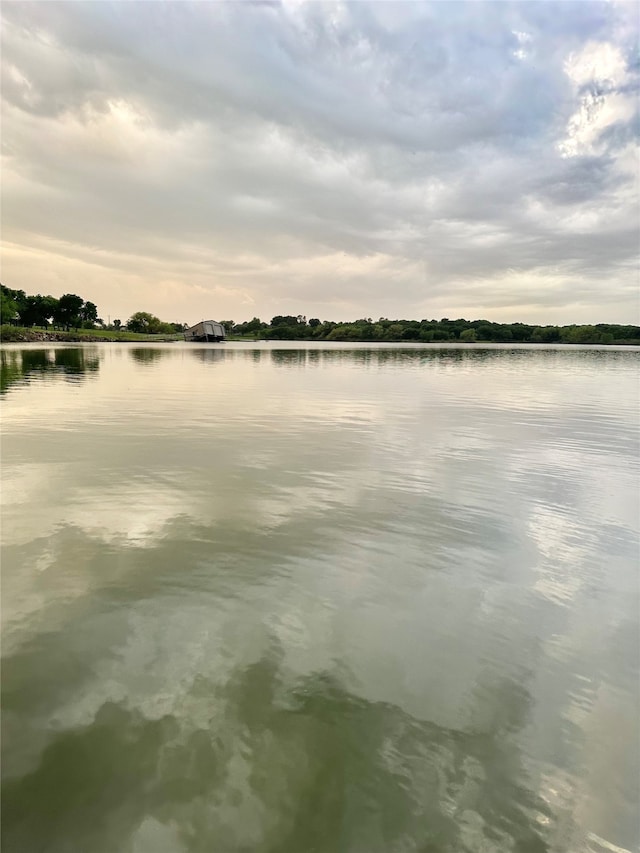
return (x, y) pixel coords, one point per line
(545, 334)
(68, 310)
(36, 310)
(8, 307)
(89, 314)
(48, 307)
(485, 331)
(441, 335)
(580, 335)
(17, 297)
(29, 314)
(282, 332)
(285, 320)
(144, 323)
(468, 336)
(254, 325)
(250, 326)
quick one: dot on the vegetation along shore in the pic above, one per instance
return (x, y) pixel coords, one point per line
(71, 318)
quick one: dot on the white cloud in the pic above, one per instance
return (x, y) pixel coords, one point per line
(602, 62)
(602, 82)
(305, 158)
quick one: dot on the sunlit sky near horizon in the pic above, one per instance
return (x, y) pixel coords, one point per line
(341, 160)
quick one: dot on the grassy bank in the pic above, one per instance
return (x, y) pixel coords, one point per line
(12, 334)
(19, 334)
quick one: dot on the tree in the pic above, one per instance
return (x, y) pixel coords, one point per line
(282, 332)
(484, 332)
(8, 307)
(11, 303)
(144, 323)
(251, 326)
(580, 335)
(287, 320)
(546, 334)
(48, 307)
(68, 309)
(89, 314)
(37, 310)
(29, 314)
(468, 336)
(314, 322)
(394, 332)
(117, 324)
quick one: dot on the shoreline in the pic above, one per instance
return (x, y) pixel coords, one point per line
(38, 336)
(62, 337)
(22, 335)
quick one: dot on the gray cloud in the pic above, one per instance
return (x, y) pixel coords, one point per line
(336, 160)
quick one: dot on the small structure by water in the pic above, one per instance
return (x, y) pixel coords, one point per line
(205, 331)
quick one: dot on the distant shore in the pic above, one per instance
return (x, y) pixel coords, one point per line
(19, 334)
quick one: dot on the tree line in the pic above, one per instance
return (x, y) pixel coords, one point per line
(71, 311)
(290, 327)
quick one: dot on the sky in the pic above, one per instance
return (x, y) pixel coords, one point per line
(336, 160)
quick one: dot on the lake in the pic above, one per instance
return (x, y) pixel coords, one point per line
(340, 599)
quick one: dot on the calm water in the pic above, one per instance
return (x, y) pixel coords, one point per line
(337, 600)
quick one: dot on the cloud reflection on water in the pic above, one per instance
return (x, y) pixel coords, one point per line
(391, 600)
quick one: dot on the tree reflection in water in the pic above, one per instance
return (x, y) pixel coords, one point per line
(21, 366)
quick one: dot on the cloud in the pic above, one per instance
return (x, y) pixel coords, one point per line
(337, 160)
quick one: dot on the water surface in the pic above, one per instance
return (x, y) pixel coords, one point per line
(335, 599)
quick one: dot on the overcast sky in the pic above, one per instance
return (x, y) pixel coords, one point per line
(406, 160)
